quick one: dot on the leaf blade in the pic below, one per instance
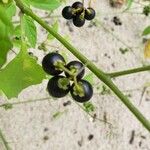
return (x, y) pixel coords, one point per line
(22, 72)
(30, 30)
(46, 4)
(146, 31)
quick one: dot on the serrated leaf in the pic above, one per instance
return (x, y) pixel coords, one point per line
(46, 4)
(30, 30)
(147, 49)
(55, 28)
(22, 72)
(146, 31)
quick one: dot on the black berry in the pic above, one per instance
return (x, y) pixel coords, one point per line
(89, 14)
(49, 62)
(78, 21)
(77, 67)
(77, 5)
(85, 94)
(58, 86)
(67, 12)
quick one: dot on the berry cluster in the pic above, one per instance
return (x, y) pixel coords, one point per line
(59, 85)
(78, 13)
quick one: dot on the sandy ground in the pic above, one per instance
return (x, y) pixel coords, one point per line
(31, 126)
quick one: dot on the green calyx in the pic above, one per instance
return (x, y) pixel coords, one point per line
(78, 89)
(73, 70)
(63, 83)
(59, 65)
(78, 10)
(82, 15)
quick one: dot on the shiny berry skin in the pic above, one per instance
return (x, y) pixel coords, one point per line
(49, 62)
(89, 14)
(67, 12)
(54, 88)
(78, 67)
(87, 92)
(78, 21)
(77, 5)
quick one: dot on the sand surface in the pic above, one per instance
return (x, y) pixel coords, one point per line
(31, 126)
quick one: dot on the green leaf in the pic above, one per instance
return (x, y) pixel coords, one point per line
(146, 31)
(55, 28)
(30, 30)
(89, 78)
(5, 46)
(22, 72)
(46, 4)
(6, 30)
(11, 9)
(103, 89)
(4, 18)
(88, 107)
(129, 4)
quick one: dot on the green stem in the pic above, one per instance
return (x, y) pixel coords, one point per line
(26, 102)
(99, 73)
(130, 71)
(4, 141)
(76, 85)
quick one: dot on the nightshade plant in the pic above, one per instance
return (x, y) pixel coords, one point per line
(23, 71)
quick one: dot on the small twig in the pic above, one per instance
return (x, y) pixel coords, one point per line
(132, 137)
(4, 141)
(143, 92)
(101, 120)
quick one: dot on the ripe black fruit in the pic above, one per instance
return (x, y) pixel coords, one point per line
(77, 67)
(78, 20)
(58, 86)
(77, 5)
(67, 12)
(89, 14)
(87, 91)
(49, 62)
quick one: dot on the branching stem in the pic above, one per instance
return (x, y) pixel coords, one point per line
(130, 71)
(98, 72)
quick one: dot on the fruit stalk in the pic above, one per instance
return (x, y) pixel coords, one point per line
(98, 72)
(62, 67)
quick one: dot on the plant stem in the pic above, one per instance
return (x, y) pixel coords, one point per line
(26, 101)
(99, 73)
(130, 71)
(4, 141)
